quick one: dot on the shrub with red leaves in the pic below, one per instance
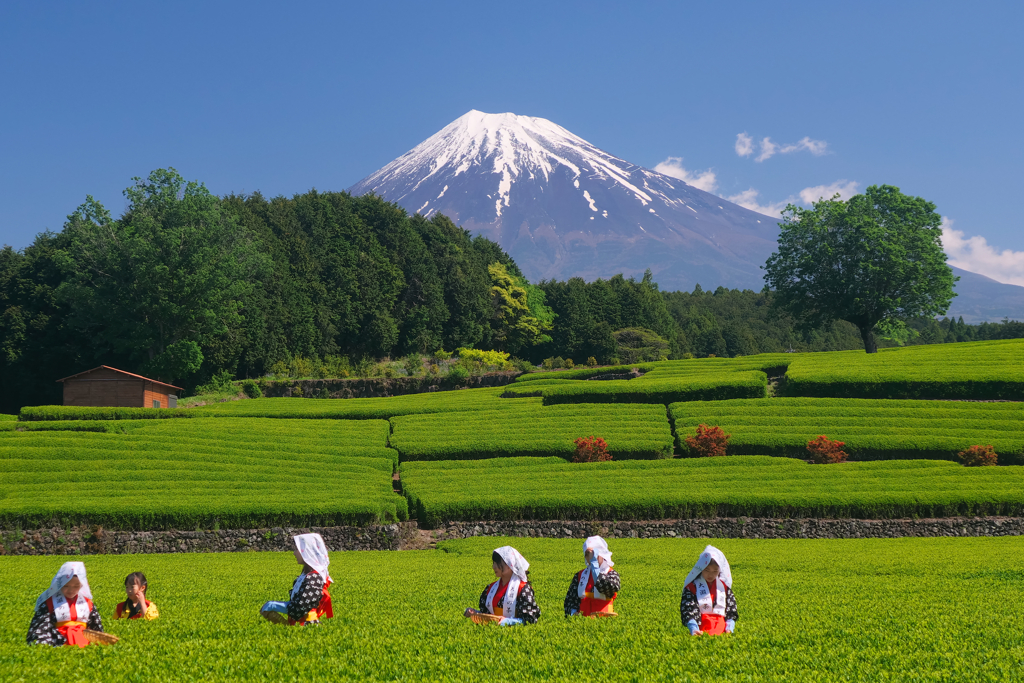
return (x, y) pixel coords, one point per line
(591, 449)
(825, 451)
(708, 442)
(978, 456)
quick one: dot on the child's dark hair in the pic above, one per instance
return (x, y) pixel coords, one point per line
(132, 579)
(136, 577)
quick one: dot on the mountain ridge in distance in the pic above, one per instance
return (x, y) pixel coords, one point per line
(562, 207)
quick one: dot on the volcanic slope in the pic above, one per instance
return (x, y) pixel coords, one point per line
(561, 207)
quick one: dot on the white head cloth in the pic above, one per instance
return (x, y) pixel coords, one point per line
(514, 561)
(600, 548)
(711, 553)
(314, 553)
(65, 574)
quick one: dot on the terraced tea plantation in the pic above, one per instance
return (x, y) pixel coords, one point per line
(992, 370)
(632, 431)
(328, 461)
(870, 428)
(973, 370)
(750, 486)
(189, 473)
(858, 610)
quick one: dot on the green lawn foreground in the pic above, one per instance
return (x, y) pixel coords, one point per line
(810, 610)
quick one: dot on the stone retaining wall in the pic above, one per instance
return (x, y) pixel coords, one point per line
(92, 541)
(743, 528)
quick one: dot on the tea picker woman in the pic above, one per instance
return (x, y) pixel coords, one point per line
(594, 588)
(510, 598)
(708, 604)
(309, 599)
(65, 610)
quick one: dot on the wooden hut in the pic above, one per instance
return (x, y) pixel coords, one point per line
(107, 386)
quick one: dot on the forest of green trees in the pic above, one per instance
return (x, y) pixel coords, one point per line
(186, 285)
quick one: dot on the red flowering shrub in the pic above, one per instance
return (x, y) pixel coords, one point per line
(978, 456)
(825, 451)
(591, 449)
(707, 442)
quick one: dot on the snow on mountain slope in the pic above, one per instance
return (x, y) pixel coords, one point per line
(562, 207)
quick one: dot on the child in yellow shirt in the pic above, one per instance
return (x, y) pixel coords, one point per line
(136, 606)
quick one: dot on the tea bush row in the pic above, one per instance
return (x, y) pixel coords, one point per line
(870, 428)
(201, 473)
(751, 486)
(973, 370)
(632, 431)
(295, 408)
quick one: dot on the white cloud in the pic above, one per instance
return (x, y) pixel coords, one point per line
(767, 150)
(744, 145)
(702, 180)
(978, 256)
(770, 149)
(748, 200)
(845, 188)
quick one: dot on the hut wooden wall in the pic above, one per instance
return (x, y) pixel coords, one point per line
(120, 392)
(154, 392)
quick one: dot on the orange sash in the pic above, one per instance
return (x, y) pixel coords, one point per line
(73, 631)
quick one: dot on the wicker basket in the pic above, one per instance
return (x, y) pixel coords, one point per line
(99, 637)
(480, 618)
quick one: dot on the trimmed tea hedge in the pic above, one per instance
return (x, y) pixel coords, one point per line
(36, 413)
(660, 390)
(973, 370)
(662, 382)
(871, 429)
(297, 408)
(754, 486)
(632, 431)
(187, 473)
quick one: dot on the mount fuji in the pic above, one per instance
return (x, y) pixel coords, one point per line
(562, 207)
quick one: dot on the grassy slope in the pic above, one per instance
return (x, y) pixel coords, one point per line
(865, 610)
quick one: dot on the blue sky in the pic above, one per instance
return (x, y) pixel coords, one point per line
(285, 97)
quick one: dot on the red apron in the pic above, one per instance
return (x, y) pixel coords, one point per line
(589, 604)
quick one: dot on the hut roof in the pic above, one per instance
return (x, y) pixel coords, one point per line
(129, 374)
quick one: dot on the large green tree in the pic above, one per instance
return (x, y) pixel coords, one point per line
(874, 259)
(162, 281)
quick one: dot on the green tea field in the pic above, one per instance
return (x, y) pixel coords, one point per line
(250, 463)
(851, 610)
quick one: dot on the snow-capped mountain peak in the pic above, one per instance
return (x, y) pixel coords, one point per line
(562, 207)
(510, 146)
